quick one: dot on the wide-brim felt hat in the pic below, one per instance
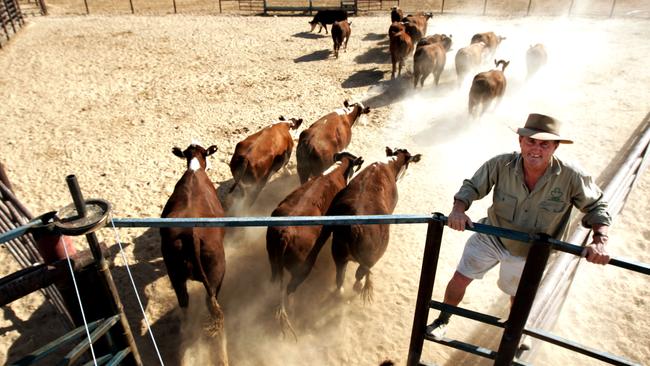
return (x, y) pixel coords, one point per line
(542, 127)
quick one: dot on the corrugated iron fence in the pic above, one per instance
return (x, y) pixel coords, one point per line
(11, 18)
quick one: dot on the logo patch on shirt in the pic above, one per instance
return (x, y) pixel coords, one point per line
(556, 194)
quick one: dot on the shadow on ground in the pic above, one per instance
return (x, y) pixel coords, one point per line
(308, 35)
(314, 56)
(363, 78)
(376, 55)
(388, 92)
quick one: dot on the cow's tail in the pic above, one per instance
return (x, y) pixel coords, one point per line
(325, 233)
(238, 174)
(216, 327)
(276, 252)
(281, 238)
(303, 162)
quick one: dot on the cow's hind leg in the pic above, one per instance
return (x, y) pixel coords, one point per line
(180, 287)
(176, 272)
(424, 77)
(367, 290)
(340, 255)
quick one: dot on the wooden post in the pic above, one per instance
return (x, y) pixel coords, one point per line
(484, 6)
(425, 290)
(442, 7)
(106, 279)
(570, 7)
(219, 6)
(530, 2)
(174, 1)
(30, 279)
(131, 4)
(86, 4)
(611, 12)
(523, 302)
(4, 178)
(43, 6)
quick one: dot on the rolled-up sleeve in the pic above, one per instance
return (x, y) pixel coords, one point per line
(589, 200)
(480, 184)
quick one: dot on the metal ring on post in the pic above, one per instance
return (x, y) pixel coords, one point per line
(69, 222)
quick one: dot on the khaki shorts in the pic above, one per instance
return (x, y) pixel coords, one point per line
(482, 252)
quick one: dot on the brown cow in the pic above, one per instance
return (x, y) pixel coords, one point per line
(340, 33)
(490, 39)
(535, 58)
(260, 155)
(396, 14)
(327, 136)
(470, 58)
(394, 28)
(195, 253)
(487, 87)
(419, 20)
(371, 192)
(400, 47)
(289, 247)
(430, 58)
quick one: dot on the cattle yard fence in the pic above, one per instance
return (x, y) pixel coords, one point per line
(535, 309)
(602, 8)
(11, 19)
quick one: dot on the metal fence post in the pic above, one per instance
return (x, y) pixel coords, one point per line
(425, 290)
(523, 302)
(611, 12)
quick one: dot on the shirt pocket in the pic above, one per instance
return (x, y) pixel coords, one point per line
(548, 214)
(505, 205)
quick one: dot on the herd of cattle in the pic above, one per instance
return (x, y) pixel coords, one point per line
(408, 36)
(325, 171)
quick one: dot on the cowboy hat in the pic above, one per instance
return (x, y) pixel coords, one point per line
(542, 127)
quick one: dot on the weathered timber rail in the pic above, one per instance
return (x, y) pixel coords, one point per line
(11, 19)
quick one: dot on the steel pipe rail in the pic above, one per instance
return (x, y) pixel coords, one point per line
(348, 220)
(363, 219)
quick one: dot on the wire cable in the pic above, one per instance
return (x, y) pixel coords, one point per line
(128, 270)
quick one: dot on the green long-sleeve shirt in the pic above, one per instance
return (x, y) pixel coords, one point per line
(547, 209)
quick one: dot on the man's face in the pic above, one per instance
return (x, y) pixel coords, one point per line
(537, 153)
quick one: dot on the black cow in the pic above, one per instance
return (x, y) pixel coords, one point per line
(325, 17)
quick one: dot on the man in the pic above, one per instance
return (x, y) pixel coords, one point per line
(534, 192)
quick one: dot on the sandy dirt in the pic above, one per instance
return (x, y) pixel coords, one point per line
(106, 99)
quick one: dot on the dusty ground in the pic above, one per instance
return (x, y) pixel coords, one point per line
(106, 98)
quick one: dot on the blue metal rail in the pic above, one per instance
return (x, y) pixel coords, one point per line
(366, 220)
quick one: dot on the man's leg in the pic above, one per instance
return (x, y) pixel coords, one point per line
(456, 289)
(453, 296)
(479, 256)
